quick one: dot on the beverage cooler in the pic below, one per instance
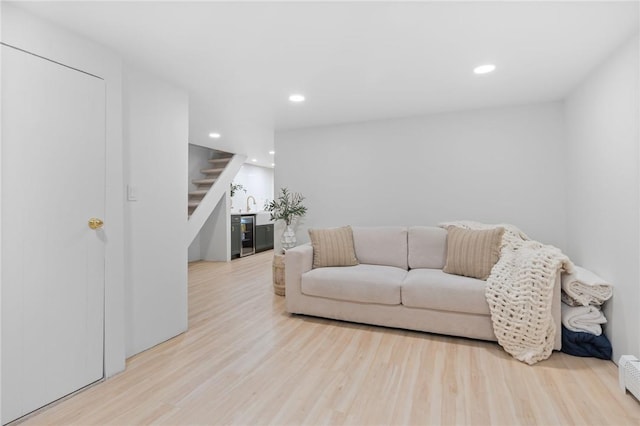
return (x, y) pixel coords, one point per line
(248, 230)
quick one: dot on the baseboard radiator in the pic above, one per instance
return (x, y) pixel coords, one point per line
(629, 374)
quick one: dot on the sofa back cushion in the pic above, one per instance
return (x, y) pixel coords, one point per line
(383, 245)
(427, 247)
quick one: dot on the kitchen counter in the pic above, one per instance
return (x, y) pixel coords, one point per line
(262, 218)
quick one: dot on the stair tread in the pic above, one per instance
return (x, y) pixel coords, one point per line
(220, 160)
(199, 192)
(211, 171)
(193, 203)
(203, 181)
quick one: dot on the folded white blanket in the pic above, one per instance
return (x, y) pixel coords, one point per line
(565, 298)
(583, 318)
(586, 288)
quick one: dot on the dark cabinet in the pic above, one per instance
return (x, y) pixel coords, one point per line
(264, 237)
(247, 238)
(236, 236)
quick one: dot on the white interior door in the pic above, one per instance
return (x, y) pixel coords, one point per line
(53, 182)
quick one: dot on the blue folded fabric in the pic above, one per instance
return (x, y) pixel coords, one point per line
(578, 343)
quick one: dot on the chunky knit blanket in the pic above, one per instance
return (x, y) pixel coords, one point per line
(520, 292)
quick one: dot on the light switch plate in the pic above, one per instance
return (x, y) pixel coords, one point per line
(132, 193)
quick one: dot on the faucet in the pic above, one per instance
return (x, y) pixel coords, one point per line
(254, 202)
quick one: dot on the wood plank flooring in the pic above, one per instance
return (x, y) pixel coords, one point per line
(244, 361)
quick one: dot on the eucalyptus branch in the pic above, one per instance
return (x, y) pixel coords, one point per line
(287, 206)
(233, 187)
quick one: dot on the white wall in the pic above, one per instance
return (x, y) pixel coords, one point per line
(198, 159)
(156, 124)
(35, 35)
(194, 252)
(603, 187)
(258, 181)
(156, 159)
(496, 165)
(215, 236)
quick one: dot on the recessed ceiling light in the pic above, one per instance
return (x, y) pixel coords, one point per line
(214, 135)
(273, 164)
(483, 69)
(272, 152)
(254, 160)
(296, 98)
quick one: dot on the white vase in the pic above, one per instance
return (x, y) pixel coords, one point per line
(288, 239)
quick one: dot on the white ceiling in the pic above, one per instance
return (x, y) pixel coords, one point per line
(353, 61)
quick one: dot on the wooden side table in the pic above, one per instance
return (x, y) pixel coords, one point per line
(278, 274)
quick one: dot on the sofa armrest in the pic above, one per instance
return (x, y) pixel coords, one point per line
(297, 261)
(556, 311)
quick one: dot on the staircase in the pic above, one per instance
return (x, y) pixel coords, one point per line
(211, 187)
(209, 176)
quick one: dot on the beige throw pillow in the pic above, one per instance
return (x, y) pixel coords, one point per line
(472, 253)
(333, 247)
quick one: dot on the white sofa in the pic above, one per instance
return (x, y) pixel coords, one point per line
(398, 283)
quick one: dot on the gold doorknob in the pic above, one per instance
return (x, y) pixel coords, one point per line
(95, 223)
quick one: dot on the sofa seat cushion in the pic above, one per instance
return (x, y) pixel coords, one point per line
(361, 283)
(434, 289)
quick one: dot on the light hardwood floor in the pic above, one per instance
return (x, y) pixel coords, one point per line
(245, 361)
